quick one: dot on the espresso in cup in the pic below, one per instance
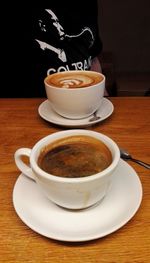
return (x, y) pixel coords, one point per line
(83, 163)
(75, 156)
(74, 79)
(75, 94)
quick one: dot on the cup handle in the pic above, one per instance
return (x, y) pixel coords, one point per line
(22, 166)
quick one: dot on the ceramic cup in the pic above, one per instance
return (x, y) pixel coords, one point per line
(75, 94)
(75, 192)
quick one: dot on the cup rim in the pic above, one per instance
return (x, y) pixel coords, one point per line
(57, 135)
(88, 71)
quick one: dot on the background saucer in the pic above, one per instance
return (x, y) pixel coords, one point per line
(48, 114)
(46, 218)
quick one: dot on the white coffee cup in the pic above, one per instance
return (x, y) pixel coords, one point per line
(75, 94)
(71, 193)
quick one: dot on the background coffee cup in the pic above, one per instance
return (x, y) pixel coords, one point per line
(75, 94)
(71, 193)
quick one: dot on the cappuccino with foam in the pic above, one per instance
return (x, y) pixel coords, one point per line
(75, 94)
(74, 79)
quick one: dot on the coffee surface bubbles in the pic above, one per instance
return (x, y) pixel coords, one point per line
(75, 156)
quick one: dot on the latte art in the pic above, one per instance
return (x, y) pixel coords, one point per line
(79, 82)
(68, 83)
(74, 79)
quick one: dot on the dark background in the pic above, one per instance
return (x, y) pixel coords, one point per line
(124, 27)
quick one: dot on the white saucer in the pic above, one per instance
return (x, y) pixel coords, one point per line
(46, 218)
(48, 114)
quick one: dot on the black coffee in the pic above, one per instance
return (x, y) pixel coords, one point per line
(75, 156)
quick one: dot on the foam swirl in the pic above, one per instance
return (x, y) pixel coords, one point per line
(78, 81)
(75, 79)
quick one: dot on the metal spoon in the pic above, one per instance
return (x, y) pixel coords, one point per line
(126, 156)
(94, 117)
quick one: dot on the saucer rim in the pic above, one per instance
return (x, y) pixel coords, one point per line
(77, 122)
(90, 236)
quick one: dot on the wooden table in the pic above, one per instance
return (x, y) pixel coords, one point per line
(129, 126)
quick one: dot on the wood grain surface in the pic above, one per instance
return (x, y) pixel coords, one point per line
(21, 126)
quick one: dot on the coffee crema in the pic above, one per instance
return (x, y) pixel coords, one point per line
(75, 156)
(73, 79)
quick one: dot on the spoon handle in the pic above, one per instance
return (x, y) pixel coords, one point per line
(146, 165)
